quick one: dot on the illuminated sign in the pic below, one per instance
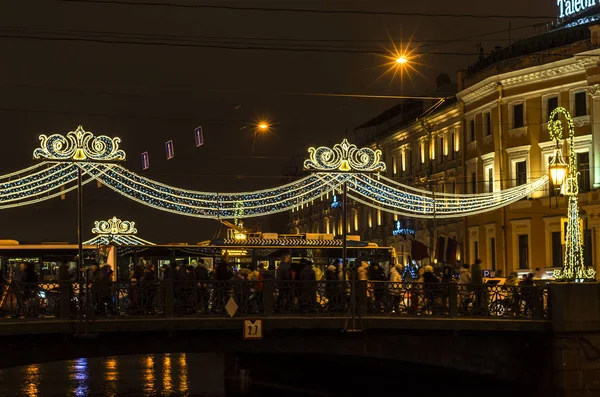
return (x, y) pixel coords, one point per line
(570, 7)
(335, 203)
(400, 231)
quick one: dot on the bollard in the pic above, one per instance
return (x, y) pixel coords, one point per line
(169, 298)
(268, 297)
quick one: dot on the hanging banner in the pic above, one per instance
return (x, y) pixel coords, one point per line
(145, 161)
(199, 136)
(170, 150)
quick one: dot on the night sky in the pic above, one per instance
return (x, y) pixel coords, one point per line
(148, 94)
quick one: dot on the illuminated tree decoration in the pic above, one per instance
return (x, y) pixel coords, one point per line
(574, 269)
(79, 145)
(344, 157)
(115, 232)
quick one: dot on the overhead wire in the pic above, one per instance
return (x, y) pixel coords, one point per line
(308, 10)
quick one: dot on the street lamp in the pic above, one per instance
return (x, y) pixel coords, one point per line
(401, 59)
(574, 269)
(261, 126)
(558, 170)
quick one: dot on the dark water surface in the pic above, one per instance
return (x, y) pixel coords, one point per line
(202, 375)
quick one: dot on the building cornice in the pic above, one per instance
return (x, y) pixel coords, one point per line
(558, 69)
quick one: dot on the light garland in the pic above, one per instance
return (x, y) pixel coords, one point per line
(115, 232)
(574, 269)
(344, 157)
(79, 145)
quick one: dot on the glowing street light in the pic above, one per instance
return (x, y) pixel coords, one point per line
(401, 60)
(262, 126)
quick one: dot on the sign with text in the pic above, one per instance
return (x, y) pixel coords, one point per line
(145, 161)
(199, 136)
(170, 150)
(253, 329)
(570, 7)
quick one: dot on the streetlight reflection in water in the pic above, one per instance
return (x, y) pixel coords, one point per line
(31, 381)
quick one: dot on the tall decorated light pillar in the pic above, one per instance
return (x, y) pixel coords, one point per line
(574, 269)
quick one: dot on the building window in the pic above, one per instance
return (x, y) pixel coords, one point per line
(518, 116)
(475, 250)
(472, 129)
(490, 180)
(473, 182)
(523, 240)
(493, 253)
(441, 141)
(557, 258)
(453, 187)
(488, 123)
(521, 173)
(580, 104)
(583, 166)
(551, 104)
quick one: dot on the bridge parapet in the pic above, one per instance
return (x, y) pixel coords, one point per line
(267, 298)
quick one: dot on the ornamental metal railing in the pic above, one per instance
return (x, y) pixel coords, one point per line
(272, 298)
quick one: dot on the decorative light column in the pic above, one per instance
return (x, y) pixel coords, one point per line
(574, 269)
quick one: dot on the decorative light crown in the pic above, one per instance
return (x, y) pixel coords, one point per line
(79, 145)
(344, 157)
(114, 226)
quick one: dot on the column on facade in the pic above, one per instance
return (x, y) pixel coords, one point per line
(595, 114)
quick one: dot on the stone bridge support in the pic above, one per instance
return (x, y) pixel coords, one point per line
(576, 339)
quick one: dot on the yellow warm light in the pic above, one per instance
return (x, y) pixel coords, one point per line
(345, 166)
(401, 59)
(79, 155)
(240, 236)
(263, 126)
(558, 169)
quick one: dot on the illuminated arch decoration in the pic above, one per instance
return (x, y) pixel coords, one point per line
(344, 163)
(115, 232)
(344, 157)
(574, 268)
(79, 145)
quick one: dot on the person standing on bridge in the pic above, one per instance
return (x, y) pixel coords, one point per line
(464, 286)
(283, 285)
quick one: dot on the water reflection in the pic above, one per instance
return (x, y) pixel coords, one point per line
(166, 374)
(149, 379)
(31, 381)
(111, 376)
(78, 376)
(183, 373)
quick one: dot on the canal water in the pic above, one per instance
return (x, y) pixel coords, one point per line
(203, 375)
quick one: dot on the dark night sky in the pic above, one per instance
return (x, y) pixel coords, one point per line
(149, 94)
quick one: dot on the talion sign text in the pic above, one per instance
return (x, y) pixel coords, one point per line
(570, 7)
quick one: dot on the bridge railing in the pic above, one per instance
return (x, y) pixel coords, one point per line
(272, 298)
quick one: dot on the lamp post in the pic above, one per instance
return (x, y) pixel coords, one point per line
(574, 269)
(261, 126)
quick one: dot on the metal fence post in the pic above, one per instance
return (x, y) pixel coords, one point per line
(65, 299)
(537, 305)
(361, 296)
(169, 298)
(268, 297)
(453, 299)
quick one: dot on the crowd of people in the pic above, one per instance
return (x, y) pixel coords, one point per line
(197, 288)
